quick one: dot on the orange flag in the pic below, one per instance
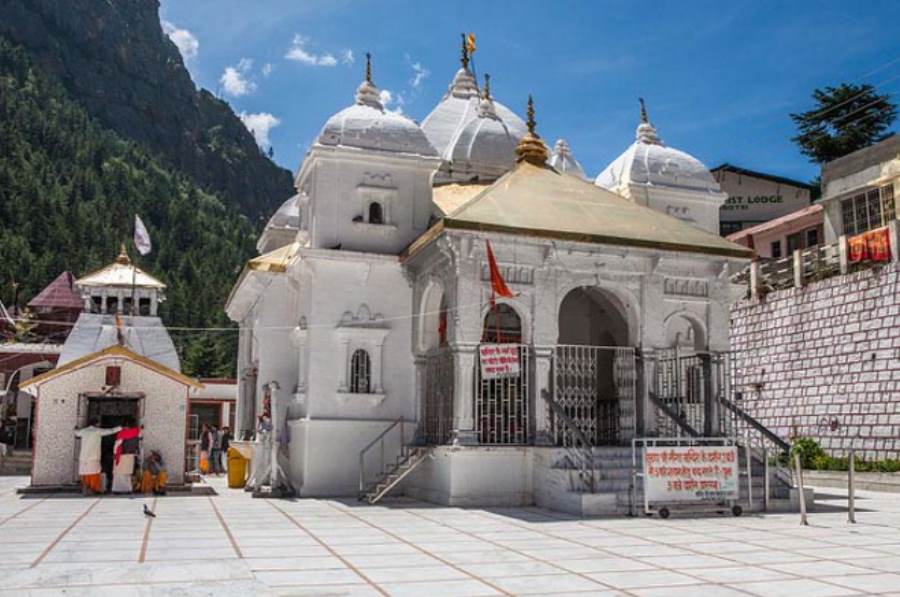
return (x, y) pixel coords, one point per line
(498, 285)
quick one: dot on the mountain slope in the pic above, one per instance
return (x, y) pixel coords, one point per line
(69, 189)
(114, 59)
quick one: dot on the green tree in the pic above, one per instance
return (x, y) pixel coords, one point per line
(845, 118)
(69, 190)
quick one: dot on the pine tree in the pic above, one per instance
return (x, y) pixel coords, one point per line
(846, 118)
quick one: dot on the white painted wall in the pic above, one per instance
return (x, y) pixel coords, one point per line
(164, 422)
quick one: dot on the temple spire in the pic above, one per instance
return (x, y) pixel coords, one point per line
(123, 257)
(531, 148)
(367, 93)
(487, 86)
(464, 57)
(646, 132)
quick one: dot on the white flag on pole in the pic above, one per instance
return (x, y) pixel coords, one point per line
(141, 236)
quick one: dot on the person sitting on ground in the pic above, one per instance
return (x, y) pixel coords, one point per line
(155, 476)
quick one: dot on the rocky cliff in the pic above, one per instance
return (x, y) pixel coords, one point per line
(114, 59)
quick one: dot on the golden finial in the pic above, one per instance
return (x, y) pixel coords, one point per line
(531, 148)
(644, 118)
(368, 67)
(464, 60)
(123, 257)
(487, 86)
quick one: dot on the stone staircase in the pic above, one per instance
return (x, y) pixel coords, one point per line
(559, 483)
(19, 463)
(405, 463)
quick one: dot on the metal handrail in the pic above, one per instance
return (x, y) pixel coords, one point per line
(379, 439)
(587, 452)
(759, 427)
(674, 416)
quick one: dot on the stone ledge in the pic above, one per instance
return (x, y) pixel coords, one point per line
(886, 482)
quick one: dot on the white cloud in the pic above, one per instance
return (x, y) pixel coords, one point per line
(347, 57)
(186, 42)
(298, 52)
(260, 125)
(388, 99)
(420, 73)
(267, 69)
(234, 80)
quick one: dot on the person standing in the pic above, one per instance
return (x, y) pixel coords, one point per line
(205, 445)
(89, 467)
(215, 452)
(226, 443)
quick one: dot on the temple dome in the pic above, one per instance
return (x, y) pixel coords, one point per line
(485, 147)
(367, 125)
(282, 227)
(651, 163)
(563, 160)
(458, 108)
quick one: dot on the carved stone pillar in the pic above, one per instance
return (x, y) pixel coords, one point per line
(463, 399)
(543, 370)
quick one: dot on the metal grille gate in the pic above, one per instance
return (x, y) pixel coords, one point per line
(438, 413)
(682, 381)
(503, 406)
(595, 386)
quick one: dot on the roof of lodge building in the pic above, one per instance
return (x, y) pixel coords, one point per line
(537, 200)
(726, 167)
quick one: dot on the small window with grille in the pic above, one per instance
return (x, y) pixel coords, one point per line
(360, 372)
(868, 210)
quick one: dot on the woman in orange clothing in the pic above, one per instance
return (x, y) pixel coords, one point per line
(155, 477)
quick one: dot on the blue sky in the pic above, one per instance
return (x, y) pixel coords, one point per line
(719, 77)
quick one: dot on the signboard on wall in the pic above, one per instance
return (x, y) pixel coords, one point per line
(498, 360)
(691, 473)
(757, 197)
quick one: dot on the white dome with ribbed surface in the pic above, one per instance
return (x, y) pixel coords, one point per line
(367, 125)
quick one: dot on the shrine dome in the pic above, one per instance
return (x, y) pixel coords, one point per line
(650, 163)
(563, 160)
(367, 125)
(459, 108)
(485, 147)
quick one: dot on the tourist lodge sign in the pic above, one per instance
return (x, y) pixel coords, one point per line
(690, 474)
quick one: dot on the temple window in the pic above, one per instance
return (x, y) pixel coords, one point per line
(360, 372)
(376, 213)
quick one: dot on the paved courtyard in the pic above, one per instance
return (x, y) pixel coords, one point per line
(232, 544)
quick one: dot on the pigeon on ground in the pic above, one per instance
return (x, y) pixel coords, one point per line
(148, 512)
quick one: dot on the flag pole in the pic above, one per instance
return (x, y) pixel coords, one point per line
(133, 286)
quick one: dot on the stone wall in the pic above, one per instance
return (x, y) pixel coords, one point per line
(822, 361)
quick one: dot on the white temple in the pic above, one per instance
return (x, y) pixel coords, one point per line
(365, 320)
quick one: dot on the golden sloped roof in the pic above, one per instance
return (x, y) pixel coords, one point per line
(540, 201)
(274, 261)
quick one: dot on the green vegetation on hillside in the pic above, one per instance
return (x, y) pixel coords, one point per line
(69, 190)
(114, 60)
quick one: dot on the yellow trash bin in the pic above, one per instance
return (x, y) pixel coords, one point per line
(237, 469)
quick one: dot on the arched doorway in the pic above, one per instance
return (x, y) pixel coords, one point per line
(594, 371)
(503, 371)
